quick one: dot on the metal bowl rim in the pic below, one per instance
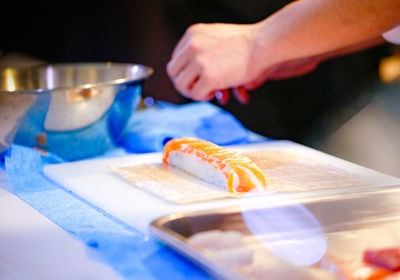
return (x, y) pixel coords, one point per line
(147, 73)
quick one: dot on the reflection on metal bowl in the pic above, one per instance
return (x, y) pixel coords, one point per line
(75, 110)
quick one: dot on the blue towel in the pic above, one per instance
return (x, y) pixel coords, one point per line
(148, 130)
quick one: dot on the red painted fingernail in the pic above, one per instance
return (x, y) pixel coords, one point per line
(222, 96)
(241, 95)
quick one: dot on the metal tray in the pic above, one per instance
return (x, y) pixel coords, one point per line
(297, 234)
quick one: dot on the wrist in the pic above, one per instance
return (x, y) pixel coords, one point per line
(266, 50)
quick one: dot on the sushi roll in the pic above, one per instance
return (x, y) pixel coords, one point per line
(214, 164)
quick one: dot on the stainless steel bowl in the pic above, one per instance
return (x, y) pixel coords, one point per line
(75, 110)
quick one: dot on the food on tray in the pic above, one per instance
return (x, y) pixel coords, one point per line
(253, 261)
(244, 255)
(388, 258)
(394, 276)
(377, 264)
(214, 164)
(352, 270)
(216, 239)
(225, 245)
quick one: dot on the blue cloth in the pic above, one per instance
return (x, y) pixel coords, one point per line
(148, 130)
(130, 252)
(2, 160)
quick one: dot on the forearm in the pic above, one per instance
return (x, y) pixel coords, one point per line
(353, 48)
(313, 27)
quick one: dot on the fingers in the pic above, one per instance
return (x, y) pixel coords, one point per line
(198, 67)
(192, 83)
(191, 80)
(201, 90)
(178, 63)
(241, 95)
(186, 80)
(223, 96)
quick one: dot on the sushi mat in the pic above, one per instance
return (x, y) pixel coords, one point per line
(137, 189)
(284, 170)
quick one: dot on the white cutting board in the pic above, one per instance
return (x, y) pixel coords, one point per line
(94, 181)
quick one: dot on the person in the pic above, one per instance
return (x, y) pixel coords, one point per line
(291, 42)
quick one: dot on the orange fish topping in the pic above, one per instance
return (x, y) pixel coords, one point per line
(242, 173)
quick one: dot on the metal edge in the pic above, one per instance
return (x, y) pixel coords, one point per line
(196, 255)
(148, 72)
(161, 221)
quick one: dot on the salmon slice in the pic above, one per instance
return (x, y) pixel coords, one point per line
(217, 165)
(352, 270)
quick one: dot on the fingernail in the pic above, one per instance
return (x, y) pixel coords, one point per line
(222, 96)
(241, 95)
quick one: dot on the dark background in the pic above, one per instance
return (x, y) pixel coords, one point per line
(303, 109)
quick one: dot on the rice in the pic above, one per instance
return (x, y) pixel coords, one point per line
(195, 166)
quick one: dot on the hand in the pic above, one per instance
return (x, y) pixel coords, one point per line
(212, 57)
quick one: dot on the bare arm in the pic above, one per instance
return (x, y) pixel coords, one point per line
(311, 27)
(291, 42)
